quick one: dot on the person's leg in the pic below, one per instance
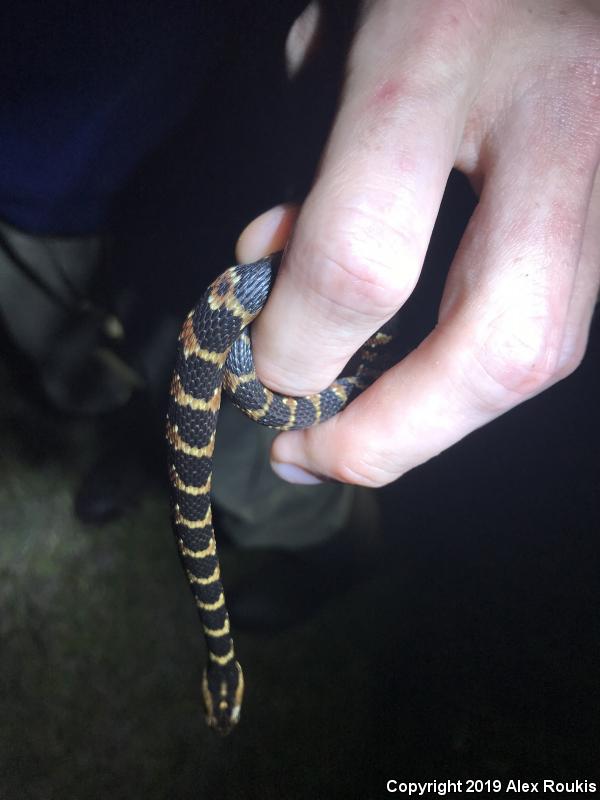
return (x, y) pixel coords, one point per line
(47, 310)
(257, 508)
(319, 540)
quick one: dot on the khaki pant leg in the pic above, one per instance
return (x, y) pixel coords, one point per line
(257, 507)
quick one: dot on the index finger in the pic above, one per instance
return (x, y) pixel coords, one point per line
(362, 234)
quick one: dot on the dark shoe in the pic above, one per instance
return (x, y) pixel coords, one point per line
(132, 458)
(111, 486)
(291, 586)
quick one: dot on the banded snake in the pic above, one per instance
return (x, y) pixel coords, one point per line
(214, 353)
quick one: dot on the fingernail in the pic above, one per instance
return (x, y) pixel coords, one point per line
(294, 474)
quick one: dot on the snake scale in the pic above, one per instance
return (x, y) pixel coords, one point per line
(214, 353)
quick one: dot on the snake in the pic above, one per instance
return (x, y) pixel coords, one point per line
(214, 353)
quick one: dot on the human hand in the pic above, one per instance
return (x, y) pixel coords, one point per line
(509, 93)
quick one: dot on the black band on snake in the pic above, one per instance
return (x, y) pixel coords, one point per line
(214, 352)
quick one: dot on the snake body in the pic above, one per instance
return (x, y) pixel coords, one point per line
(214, 352)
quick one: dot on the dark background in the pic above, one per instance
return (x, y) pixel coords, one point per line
(474, 653)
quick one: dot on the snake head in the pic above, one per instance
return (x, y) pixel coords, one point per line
(222, 691)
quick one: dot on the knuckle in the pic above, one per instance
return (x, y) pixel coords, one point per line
(444, 43)
(570, 358)
(451, 44)
(359, 473)
(362, 466)
(519, 357)
(362, 266)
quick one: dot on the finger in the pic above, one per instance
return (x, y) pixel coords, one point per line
(266, 234)
(585, 293)
(514, 320)
(302, 38)
(361, 237)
